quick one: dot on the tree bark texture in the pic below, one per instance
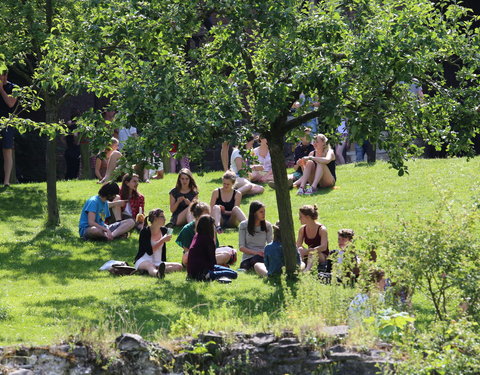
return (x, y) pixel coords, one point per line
(282, 192)
(51, 116)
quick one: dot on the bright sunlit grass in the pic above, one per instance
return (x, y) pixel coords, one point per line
(50, 286)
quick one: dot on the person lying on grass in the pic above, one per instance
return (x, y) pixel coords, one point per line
(201, 255)
(254, 233)
(225, 204)
(94, 212)
(152, 249)
(224, 255)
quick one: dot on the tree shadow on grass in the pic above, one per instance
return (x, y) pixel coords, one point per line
(57, 253)
(28, 202)
(216, 181)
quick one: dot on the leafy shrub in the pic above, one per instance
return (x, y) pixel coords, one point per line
(438, 256)
(448, 348)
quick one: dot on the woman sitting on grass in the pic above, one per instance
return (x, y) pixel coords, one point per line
(315, 236)
(94, 212)
(181, 196)
(201, 255)
(134, 202)
(225, 204)
(319, 167)
(262, 172)
(107, 161)
(224, 255)
(151, 255)
(237, 165)
(254, 234)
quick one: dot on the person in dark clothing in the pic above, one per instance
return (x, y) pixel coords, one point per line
(7, 106)
(151, 255)
(72, 151)
(201, 264)
(181, 196)
(225, 204)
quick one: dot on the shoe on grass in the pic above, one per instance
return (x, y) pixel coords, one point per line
(308, 191)
(300, 191)
(161, 271)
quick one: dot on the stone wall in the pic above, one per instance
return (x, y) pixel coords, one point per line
(262, 354)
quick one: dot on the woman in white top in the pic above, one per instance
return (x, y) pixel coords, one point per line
(262, 172)
(237, 164)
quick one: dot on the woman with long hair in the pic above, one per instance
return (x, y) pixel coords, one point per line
(133, 201)
(254, 234)
(225, 203)
(201, 255)
(151, 255)
(314, 235)
(319, 167)
(224, 255)
(181, 196)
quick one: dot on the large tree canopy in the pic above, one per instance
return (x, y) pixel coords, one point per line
(182, 72)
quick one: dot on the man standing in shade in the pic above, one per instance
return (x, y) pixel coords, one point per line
(7, 105)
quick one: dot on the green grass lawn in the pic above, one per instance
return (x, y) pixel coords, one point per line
(50, 286)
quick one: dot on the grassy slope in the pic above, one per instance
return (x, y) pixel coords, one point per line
(50, 284)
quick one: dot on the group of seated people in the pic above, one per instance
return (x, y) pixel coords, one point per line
(203, 257)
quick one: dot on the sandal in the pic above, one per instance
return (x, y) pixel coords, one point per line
(219, 229)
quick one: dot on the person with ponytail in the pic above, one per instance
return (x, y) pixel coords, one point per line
(152, 248)
(224, 255)
(201, 255)
(315, 237)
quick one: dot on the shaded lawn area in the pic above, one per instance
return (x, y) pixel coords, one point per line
(51, 287)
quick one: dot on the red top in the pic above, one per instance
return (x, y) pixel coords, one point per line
(315, 241)
(136, 201)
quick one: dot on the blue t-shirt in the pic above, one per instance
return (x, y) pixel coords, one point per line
(94, 204)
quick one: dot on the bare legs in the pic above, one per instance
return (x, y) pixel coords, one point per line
(184, 217)
(111, 165)
(152, 269)
(224, 155)
(318, 175)
(7, 164)
(247, 188)
(124, 227)
(260, 269)
(236, 217)
(339, 153)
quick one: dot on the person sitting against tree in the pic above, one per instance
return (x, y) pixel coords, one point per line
(319, 167)
(152, 249)
(225, 204)
(94, 212)
(262, 172)
(135, 202)
(107, 161)
(254, 234)
(239, 166)
(314, 235)
(224, 255)
(273, 254)
(201, 255)
(181, 196)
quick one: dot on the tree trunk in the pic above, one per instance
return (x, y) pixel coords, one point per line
(51, 116)
(282, 192)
